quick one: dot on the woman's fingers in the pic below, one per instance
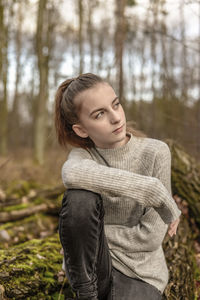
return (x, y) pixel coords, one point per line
(172, 229)
(171, 233)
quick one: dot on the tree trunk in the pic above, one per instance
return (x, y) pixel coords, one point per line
(15, 116)
(164, 76)
(153, 47)
(42, 50)
(80, 35)
(3, 79)
(90, 29)
(120, 34)
(198, 101)
(183, 57)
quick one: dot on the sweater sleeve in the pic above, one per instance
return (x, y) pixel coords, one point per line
(162, 166)
(81, 171)
(149, 233)
(162, 170)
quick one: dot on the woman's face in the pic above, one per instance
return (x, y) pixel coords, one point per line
(100, 115)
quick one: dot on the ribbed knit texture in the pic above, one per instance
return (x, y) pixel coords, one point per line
(136, 192)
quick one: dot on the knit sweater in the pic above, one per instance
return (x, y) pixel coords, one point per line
(137, 198)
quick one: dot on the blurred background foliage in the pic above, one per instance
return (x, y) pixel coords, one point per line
(148, 50)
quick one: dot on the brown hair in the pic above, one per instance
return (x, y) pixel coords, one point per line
(66, 112)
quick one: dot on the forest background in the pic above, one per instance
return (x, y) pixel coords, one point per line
(148, 50)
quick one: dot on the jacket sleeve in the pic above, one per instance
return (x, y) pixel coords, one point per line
(149, 233)
(81, 171)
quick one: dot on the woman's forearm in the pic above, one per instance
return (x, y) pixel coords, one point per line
(80, 171)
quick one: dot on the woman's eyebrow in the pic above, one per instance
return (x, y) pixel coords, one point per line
(102, 108)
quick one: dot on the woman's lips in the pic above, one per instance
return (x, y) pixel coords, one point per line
(119, 129)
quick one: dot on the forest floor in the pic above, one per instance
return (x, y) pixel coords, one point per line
(19, 165)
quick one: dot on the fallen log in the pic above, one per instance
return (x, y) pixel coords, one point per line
(13, 215)
(25, 192)
(186, 178)
(35, 226)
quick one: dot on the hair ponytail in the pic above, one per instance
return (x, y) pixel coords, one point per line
(60, 121)
(66, 113)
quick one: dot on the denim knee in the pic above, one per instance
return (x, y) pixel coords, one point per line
(79, 204)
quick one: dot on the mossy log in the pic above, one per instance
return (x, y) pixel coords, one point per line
(32, 270)
(186, 178)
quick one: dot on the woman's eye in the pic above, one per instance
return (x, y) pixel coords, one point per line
(99, 115)
(116, 104)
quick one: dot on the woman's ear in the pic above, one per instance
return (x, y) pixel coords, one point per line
(79, 130)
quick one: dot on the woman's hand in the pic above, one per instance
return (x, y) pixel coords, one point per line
(173, 227)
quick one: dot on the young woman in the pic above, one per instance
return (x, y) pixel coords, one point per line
(118, 204)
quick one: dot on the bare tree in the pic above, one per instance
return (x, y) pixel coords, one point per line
(3, 77)
(142, 49)
(120, 34)
(80, 35)
(43, 51)
(15, 117)
(198, 102)
(184, 84)
(90, 30)
(153, 45)
(164, 63)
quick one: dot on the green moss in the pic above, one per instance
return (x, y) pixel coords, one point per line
(30, 268)
(38, 200)
(57, 296)
(15, 207)
(21, 187)
(6, 226)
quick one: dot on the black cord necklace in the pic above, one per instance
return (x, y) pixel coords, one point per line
(102, 157)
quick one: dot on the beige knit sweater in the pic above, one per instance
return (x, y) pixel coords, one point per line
(136, 192)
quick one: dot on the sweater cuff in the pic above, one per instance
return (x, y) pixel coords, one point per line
(167, 215)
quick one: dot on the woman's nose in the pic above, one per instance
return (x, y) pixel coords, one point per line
(115, 117)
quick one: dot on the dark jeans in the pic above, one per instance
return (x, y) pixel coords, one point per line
(87, 258)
